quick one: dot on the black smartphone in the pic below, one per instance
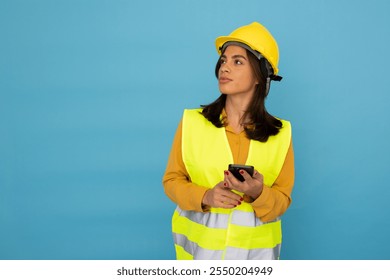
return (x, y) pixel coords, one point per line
(235, 170)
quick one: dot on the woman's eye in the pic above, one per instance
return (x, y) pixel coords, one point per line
(238, 62)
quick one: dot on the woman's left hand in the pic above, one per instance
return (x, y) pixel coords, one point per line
(252, 186)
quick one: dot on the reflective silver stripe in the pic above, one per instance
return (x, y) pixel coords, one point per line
(211, 220)
(253, 254)
(215, 220)
(231, 253)
(196, 251)
(247, 219)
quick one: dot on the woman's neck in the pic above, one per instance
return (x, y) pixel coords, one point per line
(235, 108)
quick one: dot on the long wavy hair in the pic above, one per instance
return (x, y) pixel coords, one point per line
(261, 124)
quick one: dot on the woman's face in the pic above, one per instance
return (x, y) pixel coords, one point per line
(235, 74)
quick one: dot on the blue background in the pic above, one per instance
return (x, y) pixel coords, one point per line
(91, 93)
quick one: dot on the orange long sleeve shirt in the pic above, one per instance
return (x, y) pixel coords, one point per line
(272, 202)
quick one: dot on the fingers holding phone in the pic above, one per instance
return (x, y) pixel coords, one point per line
(237, 171)
(245, 179)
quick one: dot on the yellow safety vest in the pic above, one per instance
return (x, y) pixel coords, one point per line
(226, 233)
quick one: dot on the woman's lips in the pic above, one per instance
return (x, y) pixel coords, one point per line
(224, 80)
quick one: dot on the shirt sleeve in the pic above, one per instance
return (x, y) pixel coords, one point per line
(176, 180)
(275, 200)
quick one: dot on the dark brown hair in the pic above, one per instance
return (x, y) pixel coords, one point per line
(261, 124)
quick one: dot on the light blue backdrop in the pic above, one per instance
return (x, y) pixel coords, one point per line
(91, 93)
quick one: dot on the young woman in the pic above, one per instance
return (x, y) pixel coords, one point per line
(219, 216)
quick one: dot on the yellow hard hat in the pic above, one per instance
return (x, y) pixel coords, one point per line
(258, 38)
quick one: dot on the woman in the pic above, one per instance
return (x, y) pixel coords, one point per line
(219, 216)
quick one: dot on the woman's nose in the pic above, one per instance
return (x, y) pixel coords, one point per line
(224, 68)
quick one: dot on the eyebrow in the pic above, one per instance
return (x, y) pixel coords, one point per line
(235, 56)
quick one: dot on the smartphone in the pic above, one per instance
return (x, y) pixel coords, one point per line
(235, 170)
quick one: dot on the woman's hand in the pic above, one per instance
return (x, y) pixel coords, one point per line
(221, 197)
(251, 187)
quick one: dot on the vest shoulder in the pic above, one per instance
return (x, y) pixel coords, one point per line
(192, 111)
(285, 123)
(285, 131)
(193, 114)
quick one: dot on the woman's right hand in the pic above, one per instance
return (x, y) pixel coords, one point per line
(221, 197)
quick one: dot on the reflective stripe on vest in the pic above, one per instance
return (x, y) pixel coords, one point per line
(226, 233)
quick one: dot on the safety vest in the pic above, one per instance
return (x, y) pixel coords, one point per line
(226, 233)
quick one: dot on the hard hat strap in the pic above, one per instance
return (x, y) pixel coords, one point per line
(267, 85)
(276, 78)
